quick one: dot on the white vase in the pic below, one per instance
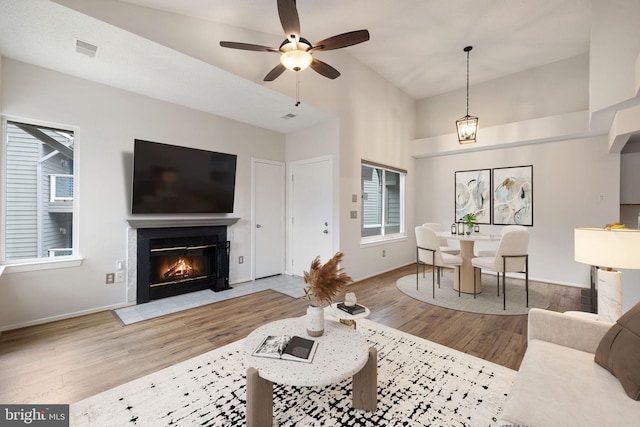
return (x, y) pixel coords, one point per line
(315, 321)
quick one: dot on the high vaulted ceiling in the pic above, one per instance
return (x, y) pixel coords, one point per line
(417, 45)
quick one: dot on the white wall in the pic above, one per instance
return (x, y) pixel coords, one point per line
(615, 45)
(575, 183)
(553, 89)
(109, 120)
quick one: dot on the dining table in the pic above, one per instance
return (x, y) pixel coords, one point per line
(467, 243)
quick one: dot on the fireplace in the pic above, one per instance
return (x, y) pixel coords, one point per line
(178, 260)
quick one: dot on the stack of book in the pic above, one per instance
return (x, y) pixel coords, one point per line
(351, 309)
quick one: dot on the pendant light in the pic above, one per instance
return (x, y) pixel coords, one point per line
(467, 126)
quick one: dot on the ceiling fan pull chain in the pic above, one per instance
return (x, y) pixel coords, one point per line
(297, 89)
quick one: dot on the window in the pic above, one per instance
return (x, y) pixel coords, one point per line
(382, 201)
(39, 182)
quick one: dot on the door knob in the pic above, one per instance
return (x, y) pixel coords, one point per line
(325, 231)
(258, 226)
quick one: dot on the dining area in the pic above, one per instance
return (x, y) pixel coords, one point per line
(456, 249)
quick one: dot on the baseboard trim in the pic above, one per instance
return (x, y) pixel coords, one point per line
(61, 317)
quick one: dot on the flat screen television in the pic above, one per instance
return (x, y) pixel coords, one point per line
(168, 179)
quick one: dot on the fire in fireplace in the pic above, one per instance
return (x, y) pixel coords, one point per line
(173, 261)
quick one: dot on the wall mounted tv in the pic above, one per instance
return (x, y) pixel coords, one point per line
(168, 179)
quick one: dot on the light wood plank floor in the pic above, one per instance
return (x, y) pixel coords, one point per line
(68, 360)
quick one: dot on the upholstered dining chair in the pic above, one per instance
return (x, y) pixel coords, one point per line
(443, 241)
(428, 253)
(512, 255)
(505, 229)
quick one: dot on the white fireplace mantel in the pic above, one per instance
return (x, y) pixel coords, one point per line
(161, 222)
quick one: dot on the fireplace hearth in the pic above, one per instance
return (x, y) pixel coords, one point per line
(177, 260)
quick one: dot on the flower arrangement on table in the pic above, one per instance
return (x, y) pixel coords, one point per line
(325, 281)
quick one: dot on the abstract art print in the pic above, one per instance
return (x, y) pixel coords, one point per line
(472, 194)
(513, 195)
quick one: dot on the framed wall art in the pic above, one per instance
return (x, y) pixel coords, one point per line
(472, 194)
(513, 195)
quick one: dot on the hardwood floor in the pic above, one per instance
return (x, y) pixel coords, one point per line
(69, 360)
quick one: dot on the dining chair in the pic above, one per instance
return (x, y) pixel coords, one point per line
(512, 255)
(428, 253)
(442, 241)
(505, 229)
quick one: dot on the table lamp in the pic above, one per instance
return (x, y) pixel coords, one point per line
(608, 249)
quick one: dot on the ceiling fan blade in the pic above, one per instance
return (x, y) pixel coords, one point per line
(342, 40)
(289, 18)
(248, 46)
(274, 73)
(324, 69)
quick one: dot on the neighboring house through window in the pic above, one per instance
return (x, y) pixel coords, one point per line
(38, 178)
(382, 201)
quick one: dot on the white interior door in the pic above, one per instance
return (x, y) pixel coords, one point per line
(268, 224)
(311, 197)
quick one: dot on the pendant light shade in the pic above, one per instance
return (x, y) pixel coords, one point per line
(467, 126)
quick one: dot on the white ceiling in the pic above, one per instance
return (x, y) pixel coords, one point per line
(415, 44)
(418, 44)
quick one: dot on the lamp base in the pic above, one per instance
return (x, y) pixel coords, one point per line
(609, 295)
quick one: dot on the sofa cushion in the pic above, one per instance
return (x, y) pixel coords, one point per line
(561, 386)
(619, 351)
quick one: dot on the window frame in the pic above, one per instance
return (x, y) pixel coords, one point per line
(384, 237)
(39, 263)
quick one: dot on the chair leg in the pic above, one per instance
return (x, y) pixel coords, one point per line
(459, 280)
(433, 281)
(417, 266)
(498, 284)
(504, 291)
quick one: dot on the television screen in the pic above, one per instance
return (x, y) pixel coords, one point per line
(168, 179)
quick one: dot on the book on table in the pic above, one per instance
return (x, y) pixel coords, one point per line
(287, 347)
(351, 309)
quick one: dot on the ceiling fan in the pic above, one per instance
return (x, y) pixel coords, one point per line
(296, 53)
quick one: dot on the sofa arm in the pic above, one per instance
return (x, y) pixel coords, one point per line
(563, 329)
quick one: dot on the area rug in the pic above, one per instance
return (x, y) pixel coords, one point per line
(486, 302)
(420, 383)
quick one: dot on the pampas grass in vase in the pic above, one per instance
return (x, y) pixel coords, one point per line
(324, 282)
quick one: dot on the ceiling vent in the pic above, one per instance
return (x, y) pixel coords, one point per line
(87, 49)
(288, 116)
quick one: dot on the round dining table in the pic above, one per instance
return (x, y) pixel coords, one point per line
(467, 242)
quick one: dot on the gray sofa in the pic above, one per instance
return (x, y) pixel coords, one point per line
(559, 384)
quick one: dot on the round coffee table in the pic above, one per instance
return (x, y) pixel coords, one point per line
(342, 353)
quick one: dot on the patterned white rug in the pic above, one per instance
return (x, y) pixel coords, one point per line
(486, 302)
(420, 383)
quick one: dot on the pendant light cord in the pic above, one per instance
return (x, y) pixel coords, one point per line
(468, 49)
(298, 91)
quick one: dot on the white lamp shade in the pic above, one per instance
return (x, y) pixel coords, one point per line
(616, 248)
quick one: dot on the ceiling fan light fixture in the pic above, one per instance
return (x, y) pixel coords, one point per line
(467, 126)
(296, 59)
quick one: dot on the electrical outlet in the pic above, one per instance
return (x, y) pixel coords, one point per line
(240, 259)
(354, 214)
(384, 253)
(111, 278)
(119, 276)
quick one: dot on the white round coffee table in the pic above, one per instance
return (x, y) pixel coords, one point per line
(342, 353)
